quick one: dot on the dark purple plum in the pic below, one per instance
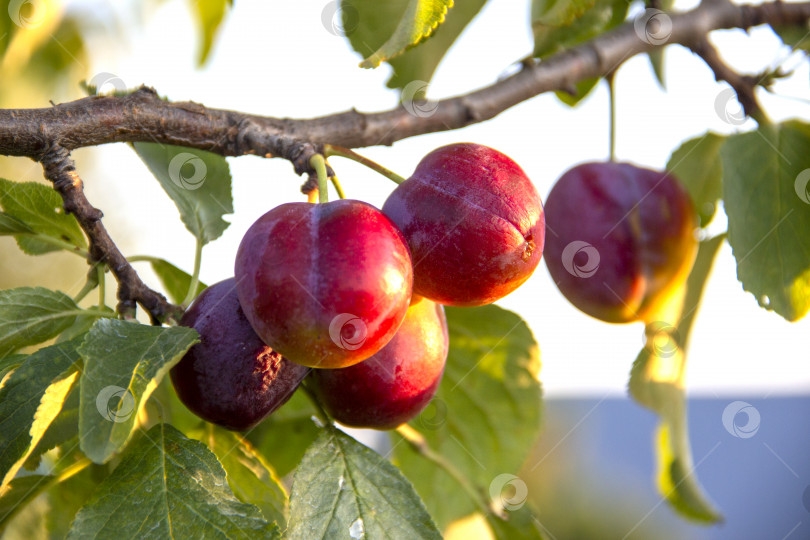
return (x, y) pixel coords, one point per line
(231, 378)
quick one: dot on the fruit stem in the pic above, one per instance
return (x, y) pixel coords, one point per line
(319, 411)
(195, 275)
(319, 164)
(336, 183)
(102, 289)
(89, 285)
(418, 442)
(611, 79)
(331, 150)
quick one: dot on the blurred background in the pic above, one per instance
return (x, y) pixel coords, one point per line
(591, 473)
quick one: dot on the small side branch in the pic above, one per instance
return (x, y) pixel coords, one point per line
(60, 170)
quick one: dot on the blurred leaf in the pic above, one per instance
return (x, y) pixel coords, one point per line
(198, 182)
(578, 22)
(368, 23)
(30, 399)
(10, 363)
(63, 54)
(283, 437)
(520, 525)
(657, 382)
(251, 478)
(492, 353)
(697, 165)
(418, 21)
(656, 57)
(343, 488)
(582, 89)
(31, 315)
(176, 488)
(9, 225)
(797, 37)
(209, 15)
(67, 496)
(123, 361)
(18, 493)
(40, 208)
(766, 181)
(175, 282)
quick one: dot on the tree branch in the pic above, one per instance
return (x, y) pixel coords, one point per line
(143, 116)
(60, 170)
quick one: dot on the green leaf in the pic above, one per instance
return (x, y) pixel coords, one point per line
(492, 353)
(209, 15)
(39, 208)
(521, 525)
(795, 36)
(657, 382)
(766, 176)
(123, 363)
(198, 182)
(582, 89)
(343, 489)
(31, 315)
(251, 478)
(368, 23)
(559, 24)
(30, 400)
(656, 57)
(63, 428)
(417, 22)
(9, 225)
(18, 493)
(175, 282)
(283, 437)
(697, 165)
(177, 488)
(10, 363)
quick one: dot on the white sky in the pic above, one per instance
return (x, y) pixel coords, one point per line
(278, 59)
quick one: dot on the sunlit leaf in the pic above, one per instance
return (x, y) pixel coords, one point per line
(31, 315)
(697, 165)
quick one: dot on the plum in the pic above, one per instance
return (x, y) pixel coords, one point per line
(231, 377)
(395, 384)
(473, 221)
(326, 285)
(623, 239)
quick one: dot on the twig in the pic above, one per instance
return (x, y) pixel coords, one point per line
(60, 170)
(143, 116)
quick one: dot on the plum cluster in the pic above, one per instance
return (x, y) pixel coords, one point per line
(352, 296)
